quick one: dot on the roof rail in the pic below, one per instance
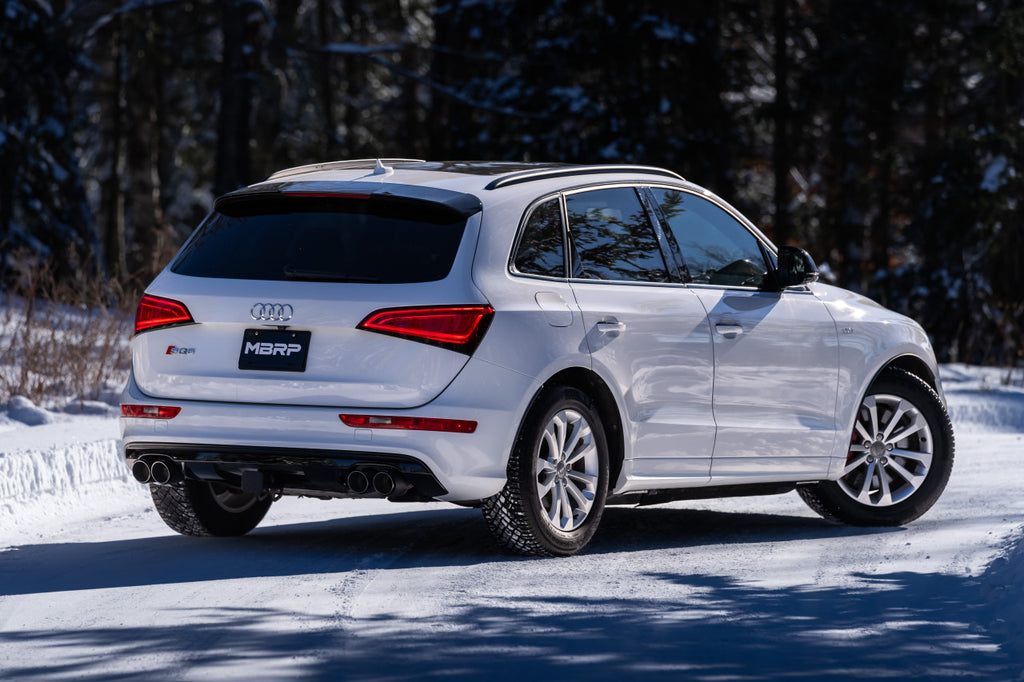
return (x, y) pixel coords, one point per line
(338, 165)
(547, 173)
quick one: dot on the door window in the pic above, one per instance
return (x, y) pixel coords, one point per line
(612, 237)
(717, 248)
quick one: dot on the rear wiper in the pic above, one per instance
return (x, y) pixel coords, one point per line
(324, 276)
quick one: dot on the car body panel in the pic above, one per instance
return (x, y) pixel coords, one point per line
(776, 370)
(871, 338)
(653, 345)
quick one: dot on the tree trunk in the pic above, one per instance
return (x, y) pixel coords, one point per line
(781, 153)
(112, 190)
(233, 122)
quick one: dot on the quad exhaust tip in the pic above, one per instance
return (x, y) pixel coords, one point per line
(141, 471)
(358, 482)
(379, 482)
(159, 470)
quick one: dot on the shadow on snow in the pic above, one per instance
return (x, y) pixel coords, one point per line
(707, 627)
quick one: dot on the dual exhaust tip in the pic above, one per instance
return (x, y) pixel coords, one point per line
(156, 469)
(376, 482)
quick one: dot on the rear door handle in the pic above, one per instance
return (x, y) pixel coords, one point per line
(728, 330)
(611, 328)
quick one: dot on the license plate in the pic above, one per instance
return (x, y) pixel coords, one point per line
(274, 350)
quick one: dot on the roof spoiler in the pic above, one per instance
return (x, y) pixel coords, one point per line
(464, 205)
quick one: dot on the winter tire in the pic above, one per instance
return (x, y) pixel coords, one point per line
(209, 509)
(557, 479)
(899, 460)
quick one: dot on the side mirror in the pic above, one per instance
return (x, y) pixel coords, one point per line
(796, 267)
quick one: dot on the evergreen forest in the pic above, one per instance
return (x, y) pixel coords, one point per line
(884, 136)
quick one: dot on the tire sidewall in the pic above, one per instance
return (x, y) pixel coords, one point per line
(560, 543)
(219, 521)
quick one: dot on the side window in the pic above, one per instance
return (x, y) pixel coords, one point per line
(540, 249)
(717, 248)
(613, 238)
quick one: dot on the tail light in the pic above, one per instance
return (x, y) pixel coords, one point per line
(368, 421)
(458, 328)
(154, 312)
(150, 411)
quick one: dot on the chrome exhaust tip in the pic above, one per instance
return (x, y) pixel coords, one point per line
(160, 472)
(357, 482)
(390, 486)
(141, 471)
(383, 483)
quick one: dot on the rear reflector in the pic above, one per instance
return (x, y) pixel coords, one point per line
(154, 312)
(366, 421)
(458, 328)
(150, 411)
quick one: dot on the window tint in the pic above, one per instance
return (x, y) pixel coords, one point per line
(717, 248)
(540, 248)
(324, 241)
(612, 237)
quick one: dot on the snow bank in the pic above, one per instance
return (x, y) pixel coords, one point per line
(52, 472)
(980, 401)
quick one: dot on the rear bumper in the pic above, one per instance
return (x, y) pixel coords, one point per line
(306, 450)
(292, 471)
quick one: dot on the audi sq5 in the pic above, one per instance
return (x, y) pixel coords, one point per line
(536, 340)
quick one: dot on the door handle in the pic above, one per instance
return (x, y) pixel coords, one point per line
(729, 330)
(611, 327)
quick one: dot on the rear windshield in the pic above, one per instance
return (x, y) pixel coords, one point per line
(324, 240)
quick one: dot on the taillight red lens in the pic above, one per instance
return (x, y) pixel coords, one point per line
(368, 421)
(459, 328)
(150, 411)
(154, 312)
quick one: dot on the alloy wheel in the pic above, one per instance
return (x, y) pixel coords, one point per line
(890, 451)
(567, 467)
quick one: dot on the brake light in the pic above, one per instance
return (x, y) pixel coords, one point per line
(367, 421)
(154, 312)
(327, 195)
(150, 411)
(458, 328)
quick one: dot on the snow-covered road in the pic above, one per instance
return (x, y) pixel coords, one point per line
(94, 586)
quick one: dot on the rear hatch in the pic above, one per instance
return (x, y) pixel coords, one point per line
(281, 283)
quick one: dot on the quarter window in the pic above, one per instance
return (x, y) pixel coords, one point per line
(717, 248)
(613, 238)
(541, 250)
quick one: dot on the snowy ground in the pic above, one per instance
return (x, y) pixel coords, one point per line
(94, 586)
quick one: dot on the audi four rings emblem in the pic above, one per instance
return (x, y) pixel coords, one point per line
(277, 312)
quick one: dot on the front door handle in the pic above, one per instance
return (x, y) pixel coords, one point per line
(728, 330)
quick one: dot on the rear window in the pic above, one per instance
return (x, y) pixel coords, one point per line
(324, 240)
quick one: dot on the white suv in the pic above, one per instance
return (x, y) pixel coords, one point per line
(537, 340)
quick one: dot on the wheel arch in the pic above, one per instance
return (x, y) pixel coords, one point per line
(591, 384)
(914, 365)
